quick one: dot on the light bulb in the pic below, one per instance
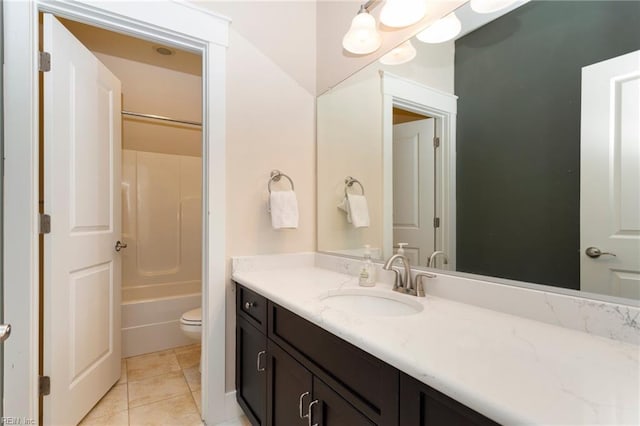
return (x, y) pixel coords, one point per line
(402, 13)
(490, 6)
(442, 30)
(362, 37)
(401, 54)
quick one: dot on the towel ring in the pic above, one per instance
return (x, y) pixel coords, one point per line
(275, 177)
(348, 183)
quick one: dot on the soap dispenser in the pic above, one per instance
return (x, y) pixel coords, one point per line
(401, 248)
(368, 271)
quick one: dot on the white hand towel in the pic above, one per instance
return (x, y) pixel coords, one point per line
(358, 210)
(284, 209)
(344, 206)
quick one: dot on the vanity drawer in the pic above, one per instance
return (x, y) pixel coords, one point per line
(369, 384)
(251, 306)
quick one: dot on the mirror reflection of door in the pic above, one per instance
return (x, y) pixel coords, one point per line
(416, 205)
(610, 177)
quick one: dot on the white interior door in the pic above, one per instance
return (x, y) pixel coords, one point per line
(413, 189)
(610, 176)
(82, 146)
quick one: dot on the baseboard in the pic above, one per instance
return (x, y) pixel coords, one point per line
(232, 409)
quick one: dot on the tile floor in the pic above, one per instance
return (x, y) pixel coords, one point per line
(161, 388)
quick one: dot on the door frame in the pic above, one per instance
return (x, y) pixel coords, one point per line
(419, 98)
(175, 23)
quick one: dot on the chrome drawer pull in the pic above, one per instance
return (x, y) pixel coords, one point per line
(310, 413)
(258, 360)
(249, 305)
(300, 402)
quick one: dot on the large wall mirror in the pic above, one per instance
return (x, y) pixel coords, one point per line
(510, 152)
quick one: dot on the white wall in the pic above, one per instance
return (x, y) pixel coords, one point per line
(349, 138)
(350, 142)
(270, 125)
(155, 90)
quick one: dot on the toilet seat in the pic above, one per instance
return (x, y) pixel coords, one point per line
(191, 323)
(192, 317)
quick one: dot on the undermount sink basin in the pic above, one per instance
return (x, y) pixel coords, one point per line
(371, 302)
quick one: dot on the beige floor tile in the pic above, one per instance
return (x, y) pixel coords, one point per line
(240, 421)
(115, 401)
(186, 348)
(192, 375)
(144, 366)
(180, 411)
(117, 419)
(197, 398)
(157, 388)
(123, 373)
(188, 356)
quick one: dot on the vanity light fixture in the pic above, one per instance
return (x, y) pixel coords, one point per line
(363, 36)
(401, 54)
(490, 6)
(402, 13)
(442, 30)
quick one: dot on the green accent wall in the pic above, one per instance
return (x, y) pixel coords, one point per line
(518, 135)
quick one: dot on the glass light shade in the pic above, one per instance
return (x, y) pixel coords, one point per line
(401, 54)
(490, 6)
(442, 30)
(363, 36)
(402, 13)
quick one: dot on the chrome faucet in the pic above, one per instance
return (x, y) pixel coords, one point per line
(403, 283)
(431, 262)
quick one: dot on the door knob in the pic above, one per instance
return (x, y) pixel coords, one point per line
(595, 252)
(120, 246)
(5, 332)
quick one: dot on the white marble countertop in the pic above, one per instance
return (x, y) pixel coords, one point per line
(511, 369)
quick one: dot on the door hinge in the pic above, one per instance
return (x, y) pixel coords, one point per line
(45, 223)
(436, 222)
(436, 142)
(44, 61)
(44, 385)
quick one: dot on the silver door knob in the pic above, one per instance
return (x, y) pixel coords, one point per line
(120, 246)
(595, 252)
(5, 332)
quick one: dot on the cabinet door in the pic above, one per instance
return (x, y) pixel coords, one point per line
(421, 405)
(289, 389)
(333, 410)
(251, 378)
(369, 384)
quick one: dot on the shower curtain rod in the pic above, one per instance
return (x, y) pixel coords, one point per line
(160, 117)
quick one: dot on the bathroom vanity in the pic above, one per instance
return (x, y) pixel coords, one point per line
(292, 372)
(436, 362)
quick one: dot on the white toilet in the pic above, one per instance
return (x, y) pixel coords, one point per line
(191, 323)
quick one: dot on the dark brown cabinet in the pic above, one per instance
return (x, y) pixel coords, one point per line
(251, 378)
(333, 410)
(251, 355)
(293, 392)
(289, 388)
(420, 405)
(287, 367)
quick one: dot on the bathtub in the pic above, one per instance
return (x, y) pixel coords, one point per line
(151, 316)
